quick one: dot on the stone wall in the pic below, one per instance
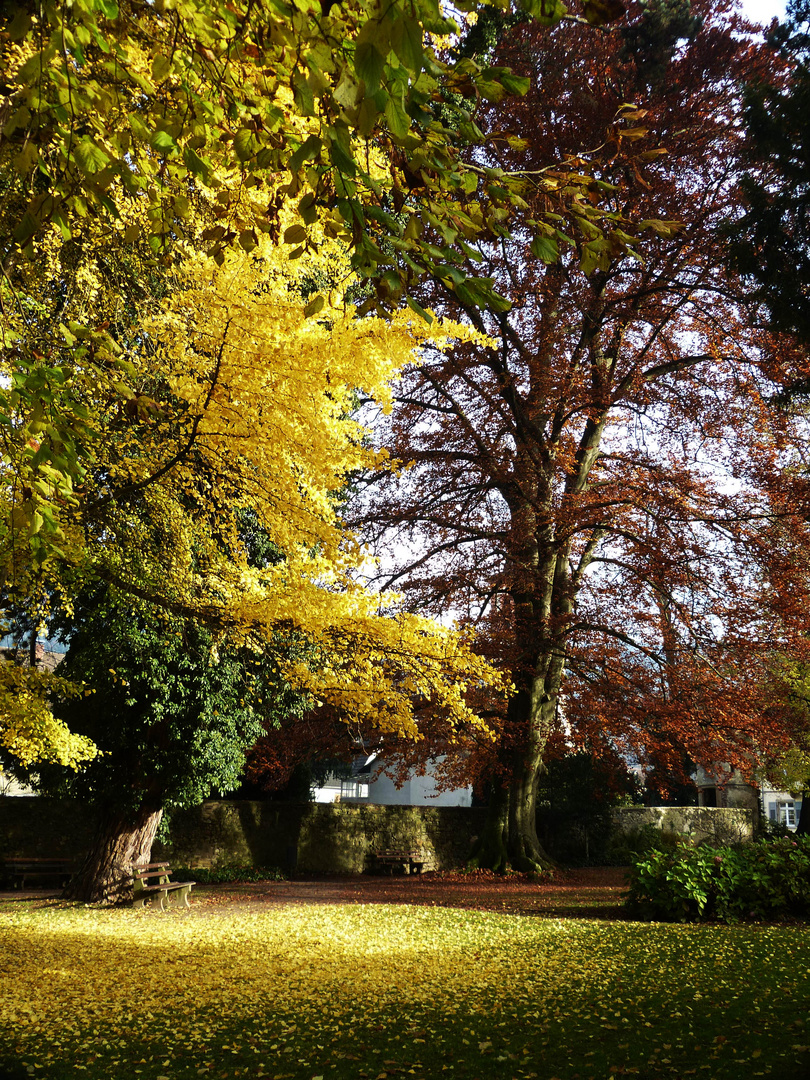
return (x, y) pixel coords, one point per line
(315, 838)
(308, 837)
(36, 827)
(318, 838)
(711, 824)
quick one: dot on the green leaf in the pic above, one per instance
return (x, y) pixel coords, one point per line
(420, 311)
(163, 142)
(19, 25)
(399, 123)
(593, 232)
(547, 12)
(341, 159)
(594, 257)
(491, 90)
(244, 144)
(295, 234)
(194, 163)
(303, 96)
(347, 90)
(266, 158)
(60, 220)
(306, 152)
(450, 273)
(368, 117)
(110, 207)
(161, 66)
(545, 248)
(515, 84)
(138, 127)
(109, 8)
(391, 223)
(667, 229)
(90, 157)
(406, 40)
(314, 306)
(369, 63)
(308, 209)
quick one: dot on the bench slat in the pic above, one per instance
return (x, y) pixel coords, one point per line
(410, 861)
(158, 893)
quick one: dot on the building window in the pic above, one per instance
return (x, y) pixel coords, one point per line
(351, 789)
(783, 812)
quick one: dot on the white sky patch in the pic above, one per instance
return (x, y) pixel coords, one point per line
(762, 11)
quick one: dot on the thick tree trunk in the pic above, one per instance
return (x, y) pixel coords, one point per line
(509, 838)
(523, 846)
(120, 840)
(490, 851)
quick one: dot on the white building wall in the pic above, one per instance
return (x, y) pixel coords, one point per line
(416, 791)
(382, 791)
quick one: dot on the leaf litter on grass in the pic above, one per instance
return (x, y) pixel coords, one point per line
(373, 990)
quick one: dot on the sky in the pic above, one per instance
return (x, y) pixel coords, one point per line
(763, 11)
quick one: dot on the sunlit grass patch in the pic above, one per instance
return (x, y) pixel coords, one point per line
(371, 990)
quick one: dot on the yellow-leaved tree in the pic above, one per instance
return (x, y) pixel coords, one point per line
(134, 437)
(247, 406)
(240, 406)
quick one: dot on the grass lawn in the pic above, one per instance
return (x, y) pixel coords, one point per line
(375, 990)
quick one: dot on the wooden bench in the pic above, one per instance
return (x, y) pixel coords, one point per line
(23, 873)
(151, 881)
(411, 862)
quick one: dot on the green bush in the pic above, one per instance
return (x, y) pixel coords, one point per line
(769, 879)
(226, 873)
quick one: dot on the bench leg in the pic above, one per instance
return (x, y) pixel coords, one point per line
(181, 896)
(159, 900)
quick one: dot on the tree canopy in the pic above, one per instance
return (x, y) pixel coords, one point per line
(771, 234)
(153, 156)
(131, 123)
(595, 492)
(240, 404)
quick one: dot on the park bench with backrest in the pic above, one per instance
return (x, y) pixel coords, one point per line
(411, 862)
(22, 873)
(152, 882)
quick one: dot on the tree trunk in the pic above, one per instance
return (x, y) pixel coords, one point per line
(803, 826)
(509, 837)
(120, 840)
(524, 849)
(490, 850)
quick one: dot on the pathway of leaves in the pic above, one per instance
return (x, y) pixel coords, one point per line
(376, 991)
(588, 892)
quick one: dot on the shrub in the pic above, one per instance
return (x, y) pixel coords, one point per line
(228, 872)
(769, 879)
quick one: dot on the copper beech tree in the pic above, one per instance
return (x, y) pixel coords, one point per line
(594, 490)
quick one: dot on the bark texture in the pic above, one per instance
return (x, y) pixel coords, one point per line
(105, 876)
